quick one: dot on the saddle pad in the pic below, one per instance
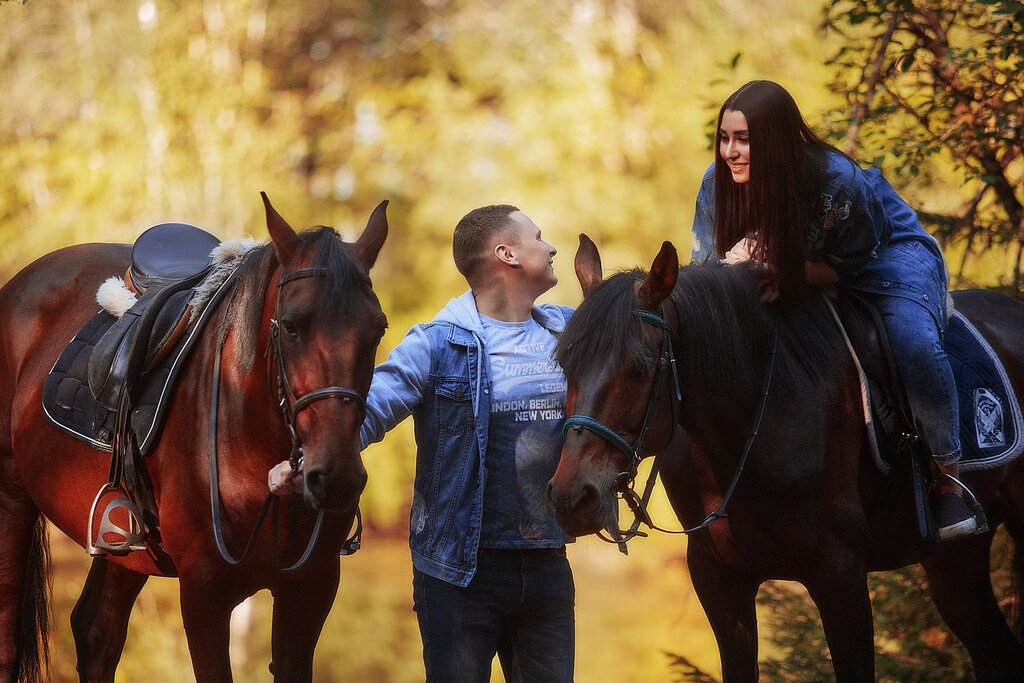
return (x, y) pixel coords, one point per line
(71, 406)
(991, 426)
(67, 399)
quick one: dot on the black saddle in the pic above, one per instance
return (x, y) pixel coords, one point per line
(901, 454)
(866, 332)
(167, 253)
(168, 261)
(131, 362)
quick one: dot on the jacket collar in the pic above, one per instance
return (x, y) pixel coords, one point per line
(467, 330)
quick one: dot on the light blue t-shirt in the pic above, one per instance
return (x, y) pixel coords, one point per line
(525, 435)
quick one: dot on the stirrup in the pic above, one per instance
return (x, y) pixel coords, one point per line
(972, 502)
(133, 537)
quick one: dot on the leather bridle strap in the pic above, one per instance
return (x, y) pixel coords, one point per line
(290, 410)
(625, 480)
(291, 404)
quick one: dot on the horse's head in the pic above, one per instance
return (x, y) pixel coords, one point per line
(617, 355)
(325, 329)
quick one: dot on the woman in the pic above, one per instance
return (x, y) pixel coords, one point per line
(779, 195)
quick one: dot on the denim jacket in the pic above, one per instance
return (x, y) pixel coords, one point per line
(439, 374)
(865, 231)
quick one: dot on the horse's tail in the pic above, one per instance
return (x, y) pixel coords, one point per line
(31, 637)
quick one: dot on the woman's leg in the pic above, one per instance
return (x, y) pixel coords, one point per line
(916, 341)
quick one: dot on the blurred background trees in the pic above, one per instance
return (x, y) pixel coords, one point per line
(591, 115)
(934, 95)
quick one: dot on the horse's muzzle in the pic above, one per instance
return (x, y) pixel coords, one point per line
(329, 489)
(579, 507)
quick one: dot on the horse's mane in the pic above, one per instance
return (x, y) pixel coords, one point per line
(343, 277)
(725, 331)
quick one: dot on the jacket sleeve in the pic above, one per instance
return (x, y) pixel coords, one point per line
(702, 249)
(398, 386)
(858, 230)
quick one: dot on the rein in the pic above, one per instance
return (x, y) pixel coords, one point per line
(624, 483)
(290, 406)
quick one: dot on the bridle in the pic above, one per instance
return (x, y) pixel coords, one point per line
(626, 479)
(291, 405)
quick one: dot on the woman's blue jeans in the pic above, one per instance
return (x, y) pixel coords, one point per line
(519, 605)
(916, 341)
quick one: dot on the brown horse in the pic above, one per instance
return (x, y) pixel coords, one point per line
(305, 298)
(801, 510)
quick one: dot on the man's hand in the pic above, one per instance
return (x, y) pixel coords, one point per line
(281, 481)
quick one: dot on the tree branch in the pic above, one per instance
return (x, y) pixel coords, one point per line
(861, 109)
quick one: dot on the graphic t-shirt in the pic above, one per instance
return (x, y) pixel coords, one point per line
(524, 435)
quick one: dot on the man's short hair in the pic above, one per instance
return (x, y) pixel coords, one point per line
(475, 232)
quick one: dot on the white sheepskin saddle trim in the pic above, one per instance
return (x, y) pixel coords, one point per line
(229, 250)
(114, 298)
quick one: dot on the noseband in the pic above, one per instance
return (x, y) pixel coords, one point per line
(625, 481)
(291, 405)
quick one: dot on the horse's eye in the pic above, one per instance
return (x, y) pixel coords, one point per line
(289, 328)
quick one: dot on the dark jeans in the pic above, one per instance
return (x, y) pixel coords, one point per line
(519, 606)
(923, 366)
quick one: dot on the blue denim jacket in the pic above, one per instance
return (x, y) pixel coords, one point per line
(439, 374)
(866, 232)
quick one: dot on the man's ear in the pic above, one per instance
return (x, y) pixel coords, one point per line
(506, 255)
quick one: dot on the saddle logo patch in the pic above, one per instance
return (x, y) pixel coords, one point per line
(988, 419)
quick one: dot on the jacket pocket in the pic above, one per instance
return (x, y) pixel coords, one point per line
(454, 408)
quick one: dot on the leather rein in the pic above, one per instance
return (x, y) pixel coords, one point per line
(291, 405)
(626, 480)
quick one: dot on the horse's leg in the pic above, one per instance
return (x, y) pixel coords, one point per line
(728, 601)
(300, 609)
(99, 621)
(843, 602)
(959, 583)
(206, 605)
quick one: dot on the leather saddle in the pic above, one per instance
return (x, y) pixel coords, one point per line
(168, 261)
(870, 343)
(991, 424)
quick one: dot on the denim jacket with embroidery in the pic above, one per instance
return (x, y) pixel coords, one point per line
(865, 231)
(439, 374)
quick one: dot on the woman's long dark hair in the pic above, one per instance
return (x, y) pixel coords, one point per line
(781, 199)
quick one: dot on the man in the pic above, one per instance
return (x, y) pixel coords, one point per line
(488, 402)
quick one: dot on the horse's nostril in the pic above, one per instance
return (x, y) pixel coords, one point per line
(588, 499)
(315, 483)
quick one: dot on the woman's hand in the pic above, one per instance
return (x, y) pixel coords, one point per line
(741, 251)
(744, 251)
(281, 481)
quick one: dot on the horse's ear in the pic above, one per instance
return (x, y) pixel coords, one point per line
(661, 279)
(369, 243)
(588, 265)
(286, 242)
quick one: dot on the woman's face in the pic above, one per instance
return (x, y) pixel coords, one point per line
(734, 144)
